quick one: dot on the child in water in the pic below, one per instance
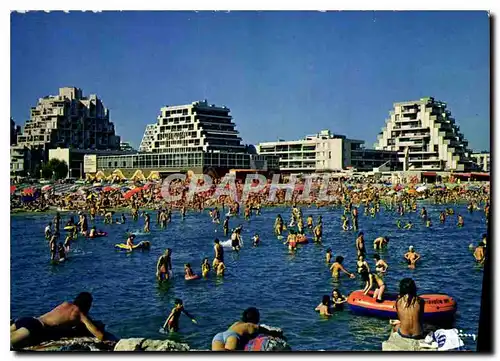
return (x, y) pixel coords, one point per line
(324, 306)
(220, 269)
(172, 322)
(408, 225)
(428, 223)
(398, 223)
(205, 268)
(256, 240)
(338, 300)
(328, 255)
(460, 223)
(188, 271)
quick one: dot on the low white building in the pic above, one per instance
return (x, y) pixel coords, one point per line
(325, 152)
(482, 159)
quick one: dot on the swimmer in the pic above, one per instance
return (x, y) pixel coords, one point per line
(48, 231)
(53, 248)
(428, 223)
(205, 268)
(147, 222)
(360, 244)
(236, 239)
(172, 322)
(328, 255)
(225, 226)
(291, 241)
(362, 265)
(338, 300)
(345, 223)
(380, 242)
(256, 240)
(442, 217)
(398, 223)
(130, 242)
(318, 231)
(67, 242)
(373, 280)
(310, 223)
(460, 222)
(278, 225)
(188, 271)
(220, 269)
(409, 225)
(411, 257)
(337, 266)
(219, 253)
(479, 255)
(324, 306)
(380, 265)
(61, 253)
(423, 213)
(92, 233)
(164, 266)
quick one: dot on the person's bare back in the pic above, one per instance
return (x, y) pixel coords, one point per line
(63, 315)
(410, 316)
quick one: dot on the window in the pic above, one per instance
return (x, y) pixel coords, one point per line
(116, 164)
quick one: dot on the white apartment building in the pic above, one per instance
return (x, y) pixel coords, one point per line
(325, 151)
(66, 120)
(194, 136)
(426, 137)
(482, 159)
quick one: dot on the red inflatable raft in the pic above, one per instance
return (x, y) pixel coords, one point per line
(302, 240)
(438, 307)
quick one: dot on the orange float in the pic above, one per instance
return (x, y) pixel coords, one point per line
(438, 307)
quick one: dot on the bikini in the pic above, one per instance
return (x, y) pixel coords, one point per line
(223, 336)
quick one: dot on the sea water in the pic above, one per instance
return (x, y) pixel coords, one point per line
(284, 287)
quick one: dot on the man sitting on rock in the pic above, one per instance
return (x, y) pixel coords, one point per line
(30, 330)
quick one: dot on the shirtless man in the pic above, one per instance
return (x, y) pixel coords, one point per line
(410, 309)
(380, 242)
(479, 253)
(337, 266)
(164, 265)
(411, 257)
(360, 244)
(30, 330)
(380, 265)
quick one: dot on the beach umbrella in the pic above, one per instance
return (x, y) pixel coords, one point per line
(107, 189)
(12, 189)
(421, 189)
(29, 190)
(46, 188)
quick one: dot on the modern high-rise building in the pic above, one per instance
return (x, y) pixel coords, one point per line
(67, 120)
(197, 136)
(326, 152)
(126, 147)
(426, 137)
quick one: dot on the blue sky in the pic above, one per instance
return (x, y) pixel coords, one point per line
(283, 74)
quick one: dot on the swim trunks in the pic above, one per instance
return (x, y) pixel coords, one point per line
(33, 325)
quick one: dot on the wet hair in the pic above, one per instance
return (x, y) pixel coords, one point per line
(187, 265)
(216, 241)
(485, 235)
(387, 239)
(408, 287)
(251, 315)
(480, 244)
(325, 300)
(376, 256)
(336, 290)
(339, 259)
(177, 301)
(328, 250)
(360, 234)
(83, 301)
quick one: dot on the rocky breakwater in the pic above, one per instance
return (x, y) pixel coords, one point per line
(259, 343)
